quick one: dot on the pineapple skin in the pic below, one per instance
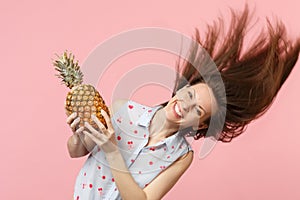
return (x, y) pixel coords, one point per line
(86, 100)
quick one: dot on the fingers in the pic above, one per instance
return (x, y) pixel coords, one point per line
(74, 123)
(76, 137)
(99, 124)
(107, 119)
(91, 129)
(71, 117)
(91, 136)
(78, 131)
(97, 140)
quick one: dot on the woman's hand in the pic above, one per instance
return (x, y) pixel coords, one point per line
(104, 138)
(73, 122)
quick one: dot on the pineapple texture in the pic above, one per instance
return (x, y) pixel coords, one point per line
(82, 98)
(86, 100)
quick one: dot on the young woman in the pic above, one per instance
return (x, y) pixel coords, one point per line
(143, 152)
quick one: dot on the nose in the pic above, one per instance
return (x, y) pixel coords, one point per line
(187, 104)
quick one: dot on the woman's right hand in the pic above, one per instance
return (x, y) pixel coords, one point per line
(73, 122)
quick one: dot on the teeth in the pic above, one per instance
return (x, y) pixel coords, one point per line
(177, 110)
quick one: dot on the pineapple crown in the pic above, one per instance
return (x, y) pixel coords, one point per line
(69, 71)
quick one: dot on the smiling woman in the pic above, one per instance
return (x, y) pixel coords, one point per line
(142, 152)
(251, 80)
(190, 107)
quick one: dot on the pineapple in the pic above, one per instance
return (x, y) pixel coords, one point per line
(83, 99)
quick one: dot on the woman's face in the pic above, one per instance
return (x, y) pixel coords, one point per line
(191, 106)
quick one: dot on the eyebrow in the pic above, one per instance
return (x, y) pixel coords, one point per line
(199, 105)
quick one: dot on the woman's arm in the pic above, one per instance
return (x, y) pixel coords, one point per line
(75, 149)
(129, 189)
(127, 186)
(163, 183)
(79, 145)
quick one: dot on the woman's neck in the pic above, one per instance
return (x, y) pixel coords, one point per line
(159, 127)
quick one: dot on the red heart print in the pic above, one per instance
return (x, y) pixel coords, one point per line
(152, 148)
(119, 120)
(130, 142)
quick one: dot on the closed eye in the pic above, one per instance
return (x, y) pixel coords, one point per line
(190, 94)
(199, 112)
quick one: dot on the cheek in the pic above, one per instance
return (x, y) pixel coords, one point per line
(169, 111)
(192, 120)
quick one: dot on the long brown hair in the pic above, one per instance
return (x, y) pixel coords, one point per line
(251, 80)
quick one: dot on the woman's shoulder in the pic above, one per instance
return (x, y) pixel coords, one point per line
(129, 107)
(117, 104)
(187, 158)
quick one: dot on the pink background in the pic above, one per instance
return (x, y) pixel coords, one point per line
(263, 163)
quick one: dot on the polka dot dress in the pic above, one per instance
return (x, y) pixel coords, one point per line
(131, 124)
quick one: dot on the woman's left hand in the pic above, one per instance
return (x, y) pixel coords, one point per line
(105, 138)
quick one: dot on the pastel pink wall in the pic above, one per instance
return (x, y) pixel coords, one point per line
(263, 163)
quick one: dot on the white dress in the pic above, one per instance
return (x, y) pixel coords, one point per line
(131, 124)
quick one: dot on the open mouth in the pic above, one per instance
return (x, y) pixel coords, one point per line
(177, 111)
